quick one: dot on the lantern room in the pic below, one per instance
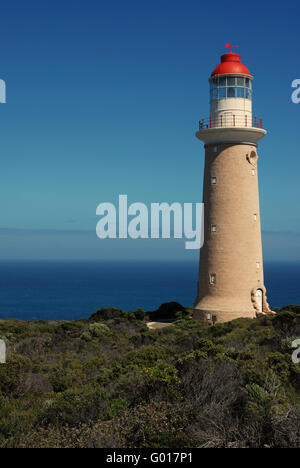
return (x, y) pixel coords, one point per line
(230, 86)
(231, 93)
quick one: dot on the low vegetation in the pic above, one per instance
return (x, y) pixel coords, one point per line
(109, 381)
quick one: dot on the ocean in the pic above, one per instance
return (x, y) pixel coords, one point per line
(68, 290)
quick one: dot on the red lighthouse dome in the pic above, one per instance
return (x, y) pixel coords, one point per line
(231, 63)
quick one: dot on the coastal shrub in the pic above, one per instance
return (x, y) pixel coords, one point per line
(292, 308)
(131, 385)
(162, 373)
(187, 385)
(284, 320)
(286, 344)
(205, 345)
(92, 367)
(14, 327)
(155, 425)
(98, 329)
(146, 355)
(95, 330)
(12, 375)
(107, 313)
(60, 379)
(104, 376)
(143, 339)
(281, 364)
(139, 314)
(259, 400)
(190, 356)
(69, 329)
(86, 336)
(75, 406)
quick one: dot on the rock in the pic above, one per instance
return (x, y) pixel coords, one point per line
(167, 311)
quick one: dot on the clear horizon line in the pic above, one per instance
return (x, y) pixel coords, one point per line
(14, 230)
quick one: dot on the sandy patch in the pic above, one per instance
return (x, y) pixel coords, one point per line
(158, 325)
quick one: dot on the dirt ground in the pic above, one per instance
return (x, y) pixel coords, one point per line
(158, 325)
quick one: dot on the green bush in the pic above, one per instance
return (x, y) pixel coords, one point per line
(139, 314)
(76, 406)
(284, 320)
(109, 381)
(146, 355)
(99, 329)
(12, 375)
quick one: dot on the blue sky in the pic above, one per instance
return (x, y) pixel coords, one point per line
(103, 98)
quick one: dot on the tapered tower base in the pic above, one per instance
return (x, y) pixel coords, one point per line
(231, 280)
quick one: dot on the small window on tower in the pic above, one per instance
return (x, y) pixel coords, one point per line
(213, 180)
(253, 172)
(213, 228)
(213, 278)
(258, 265)
(255, 217)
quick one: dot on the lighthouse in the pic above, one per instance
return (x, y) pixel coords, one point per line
(231, 278)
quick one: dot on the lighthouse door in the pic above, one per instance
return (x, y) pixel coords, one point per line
(259, 299)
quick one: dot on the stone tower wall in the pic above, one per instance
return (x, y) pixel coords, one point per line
(233, 253)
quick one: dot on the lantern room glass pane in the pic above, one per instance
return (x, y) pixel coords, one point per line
(230, 92)
(248, 94)
(231, 81)
(214, 93)
(222, 93)
(240, 92)
(213, 85)
(223, 87)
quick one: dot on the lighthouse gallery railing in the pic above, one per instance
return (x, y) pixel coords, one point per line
(230, 121)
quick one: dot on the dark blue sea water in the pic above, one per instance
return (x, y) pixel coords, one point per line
(70, 290)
